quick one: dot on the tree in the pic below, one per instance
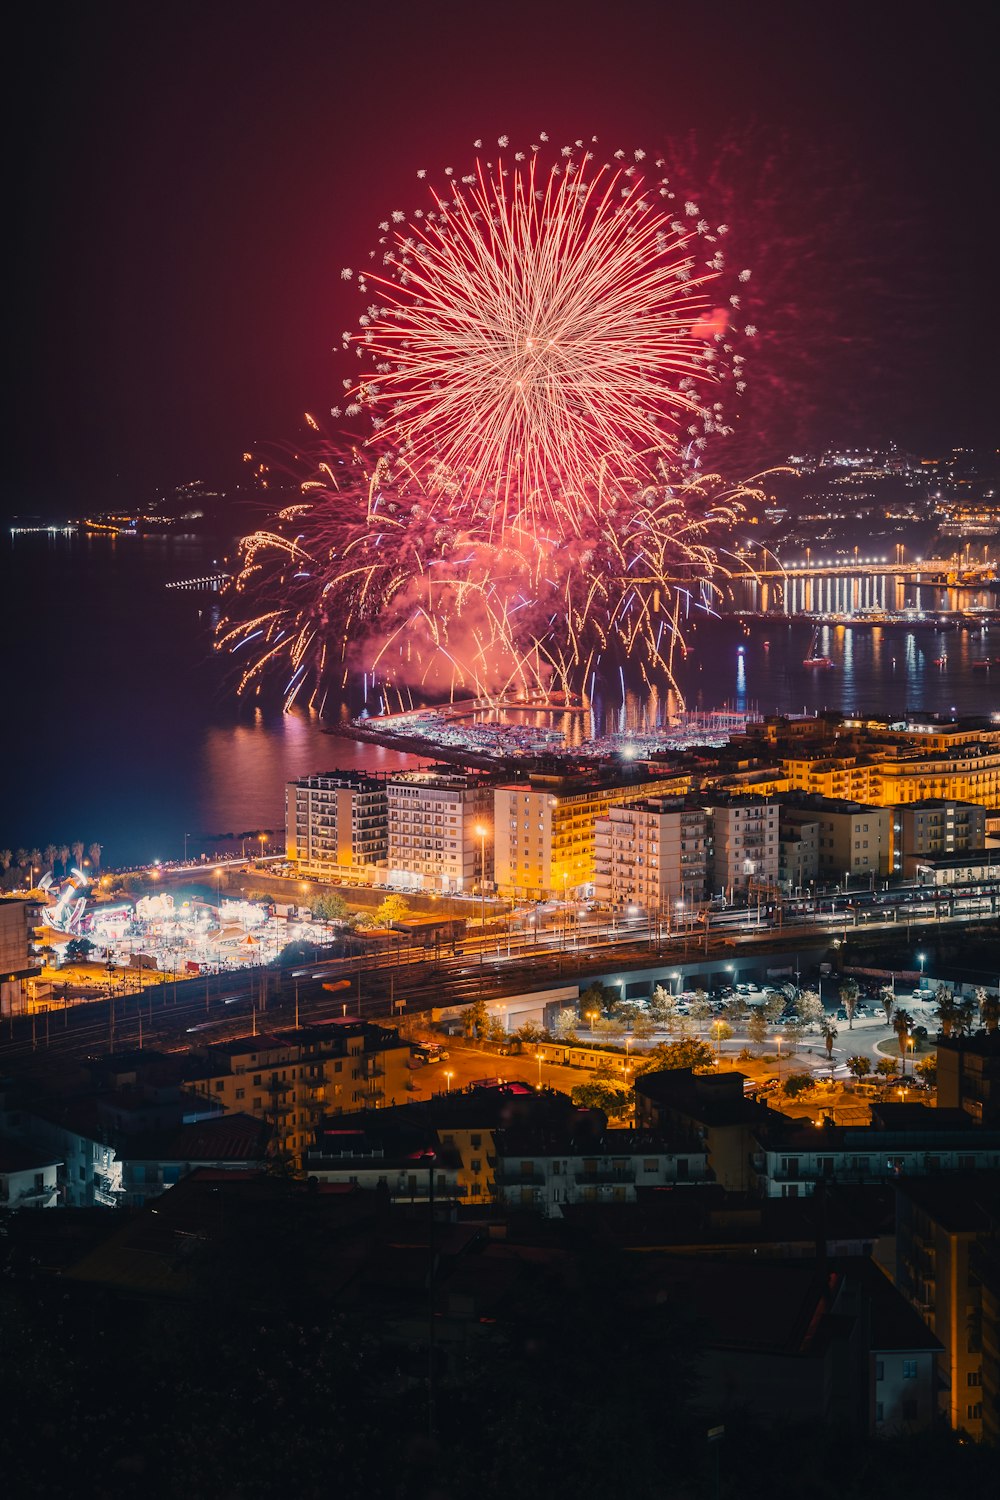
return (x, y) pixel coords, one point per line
(989, 1010)
(689, 1053)
(77, 849)
(64, 858)
(721, 1032)
(614, 1102)
(902, 1025)
(78, 950)
(849, 1000)
(737, 1008)
(860, 1066)
(392, 909)
(829, 1034)
(327, 906)
(662, 1005)
(756, 1027)
(598, 997)
(700, 1009)
(50, 855)
(964, 1018)
(927, 1069)
(475, 1018)
(95, 856)
(887, 999)
(34, 864)
(887, 1067)
(945, 1010)
(495, 1031)
(809, 1007)
(608, 1026)
(773, 1007)
(628, 1011)
(566, 1023)
(797, 1083)
(528, 1031)
(643, 1026)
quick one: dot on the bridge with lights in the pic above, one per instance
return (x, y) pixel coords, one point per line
(877, 588)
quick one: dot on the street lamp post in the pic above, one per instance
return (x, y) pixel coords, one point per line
(448, 1077)
(779, 1040)
(538, 1060)
(921, 960)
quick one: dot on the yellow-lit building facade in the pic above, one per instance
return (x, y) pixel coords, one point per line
(544, 831)
(295, 1082)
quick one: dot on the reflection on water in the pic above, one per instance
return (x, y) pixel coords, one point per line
(122, 725)
(242, 767)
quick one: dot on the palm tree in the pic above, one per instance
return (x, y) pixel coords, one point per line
(887, 999)
(21, 858)
(989, 1011)
(50, 857)
(964, 1018)
(902, 1025)
(95, 856)
(829, 1033)
(5, 858)
(849, 1000)
(77, 849)
(35, 858)
(64, 857)
(947, 1010)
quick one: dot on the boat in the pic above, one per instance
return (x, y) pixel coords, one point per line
(825, 662)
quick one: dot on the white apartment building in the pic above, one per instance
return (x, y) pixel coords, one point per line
(336, 823)
(440, 831)
(745, 847)
(652, 853)
(545, 838)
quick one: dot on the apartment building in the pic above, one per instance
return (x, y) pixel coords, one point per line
(905, 768)
(853, 838)
(336, 824)
(652, 853)
(294, 1079)
(969, 1075)
(939, 1222)
(17, 921)
(547, 1171)
(744, 850)
(935, 827)
(789, 1160)
(440, 831)
(798, 852)
(545, 829)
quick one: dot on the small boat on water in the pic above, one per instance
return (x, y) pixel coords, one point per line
(822, 663)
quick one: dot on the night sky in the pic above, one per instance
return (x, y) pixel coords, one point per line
(187, 181)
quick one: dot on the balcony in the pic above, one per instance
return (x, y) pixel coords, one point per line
(514, 1177)
(605, 1175)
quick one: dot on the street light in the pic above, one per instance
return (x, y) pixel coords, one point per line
(538, 1060)
(779, 1040)
(448, 1078)
(921, 960)
(592, 1017)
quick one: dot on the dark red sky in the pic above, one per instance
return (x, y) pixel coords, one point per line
(188, 179)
